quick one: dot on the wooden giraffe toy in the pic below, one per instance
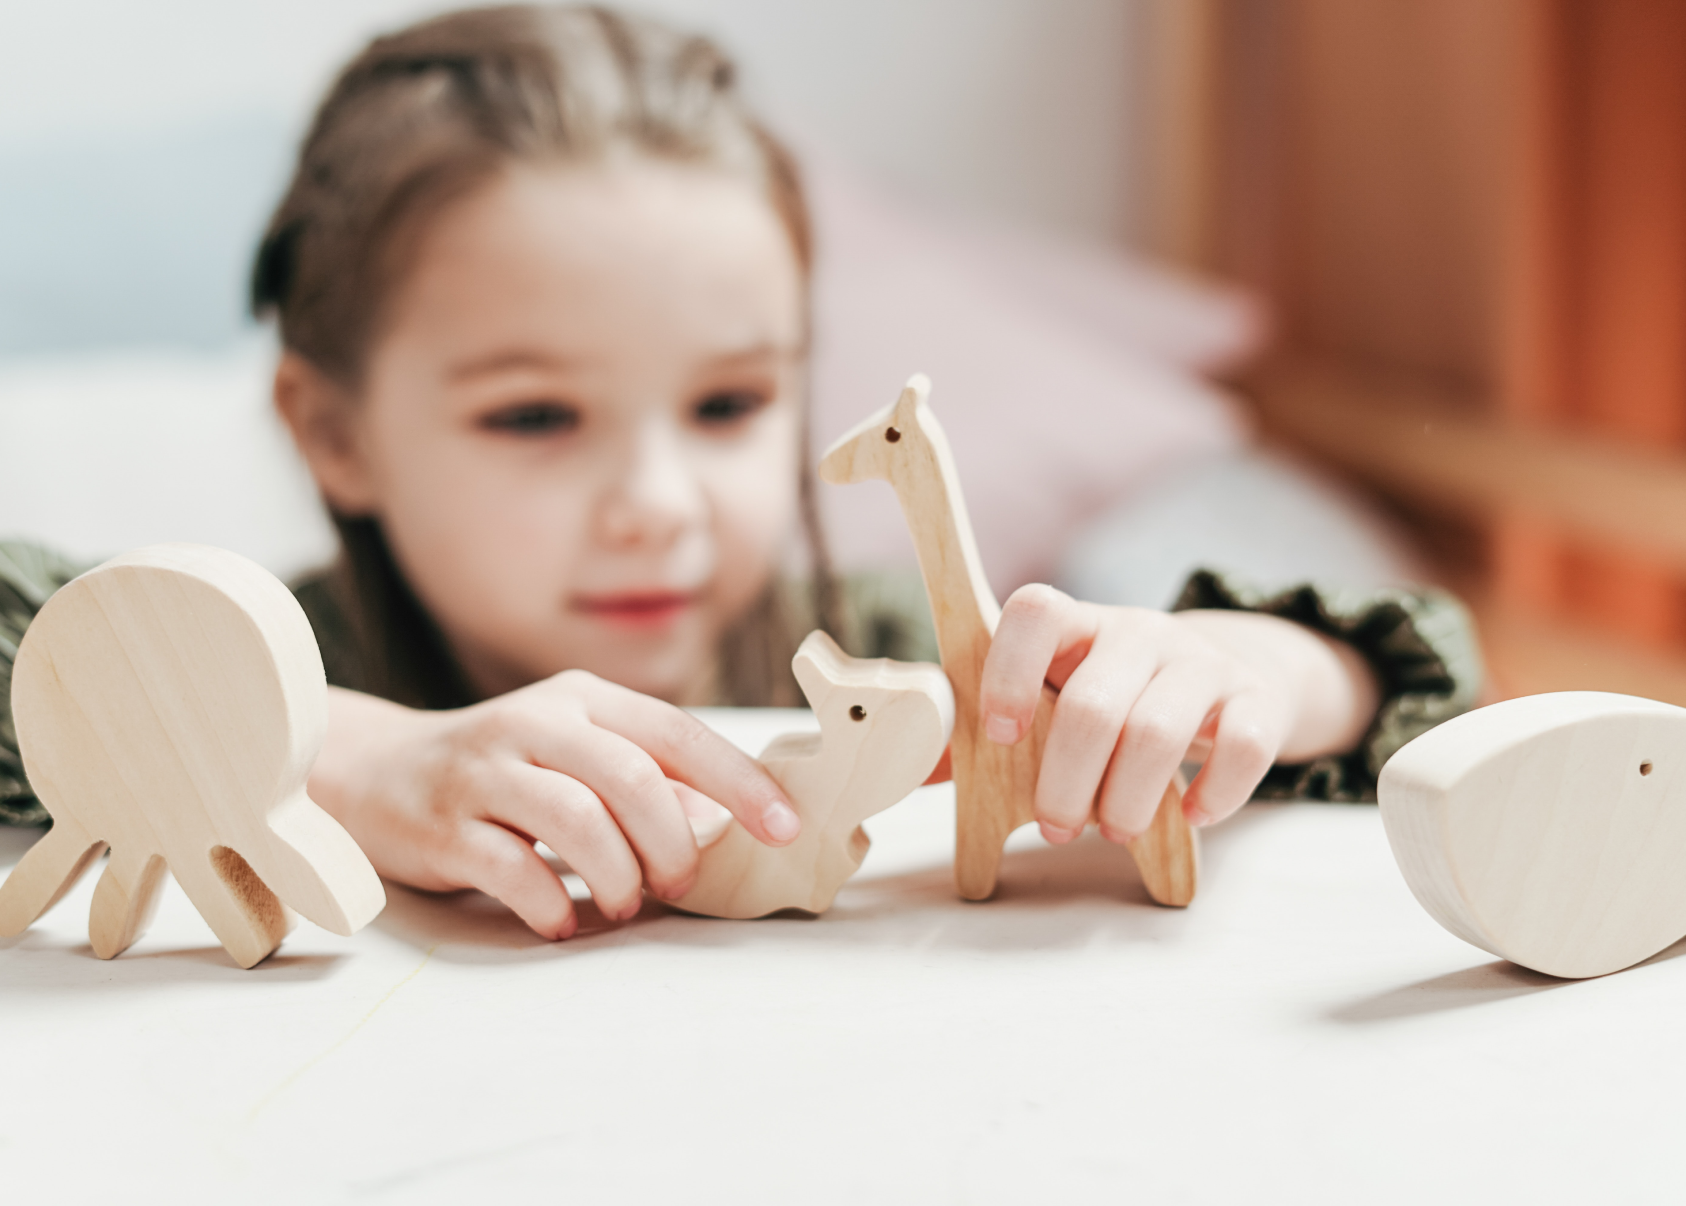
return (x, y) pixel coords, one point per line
(883, 728)
(994, 785)
(169, 705)
(1549, 830)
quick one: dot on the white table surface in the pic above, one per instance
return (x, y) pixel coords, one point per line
(1303, 1033)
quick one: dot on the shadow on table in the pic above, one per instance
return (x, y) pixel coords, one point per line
(1048, 898)
(74, 965)
(68, 965)
(1499, 980)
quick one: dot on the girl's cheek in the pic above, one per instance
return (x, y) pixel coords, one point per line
(756, 487)
(473, 520)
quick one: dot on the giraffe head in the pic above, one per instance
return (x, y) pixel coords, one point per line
(887, 443)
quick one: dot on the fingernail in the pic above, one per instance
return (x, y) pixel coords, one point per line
(780, 822)
(1057, 835)
(569, 928)
(1117, 836)
(1003, 730)
(632, 910)
(1197, 818)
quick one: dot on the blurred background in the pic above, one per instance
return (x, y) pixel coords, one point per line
(1353, 289)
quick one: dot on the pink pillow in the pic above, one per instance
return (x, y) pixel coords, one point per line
(1053, 410)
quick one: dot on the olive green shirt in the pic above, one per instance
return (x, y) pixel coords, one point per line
(1420, 643)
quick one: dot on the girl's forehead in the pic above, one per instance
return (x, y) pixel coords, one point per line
(590, 258)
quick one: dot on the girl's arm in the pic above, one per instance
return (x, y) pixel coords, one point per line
(1141, 691)
(605, 777)
(29, 574)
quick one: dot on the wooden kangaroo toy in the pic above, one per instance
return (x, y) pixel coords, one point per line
(883, 727)
(995, 785)
(1549, 830)
(169, 705)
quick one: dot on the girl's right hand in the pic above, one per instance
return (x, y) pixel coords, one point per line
(602, 775)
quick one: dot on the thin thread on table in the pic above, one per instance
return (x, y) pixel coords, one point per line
(263, 1102)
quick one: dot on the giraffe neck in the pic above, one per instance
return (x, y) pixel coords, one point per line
(962, 604)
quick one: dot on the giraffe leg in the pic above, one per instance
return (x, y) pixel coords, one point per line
(125, 900)
(1168, 854)
(980, 833)
(977, 862)
(50, 869)
(247, 918)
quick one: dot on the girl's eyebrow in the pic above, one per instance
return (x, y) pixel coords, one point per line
(759, 351)
(507, 361)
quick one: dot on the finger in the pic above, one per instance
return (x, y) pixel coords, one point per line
(1037, 625)
(494, 860)
(708, 818)
(687, 749)
(628, 782)
(697, 806)
(1157, 733)
(1251, 726)
(570, 818)
(1084, 733)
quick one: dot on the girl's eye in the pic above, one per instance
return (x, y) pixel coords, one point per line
(533, 418)
(729, 406)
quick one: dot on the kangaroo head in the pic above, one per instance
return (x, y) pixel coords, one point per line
(885, 442)
(855, 698)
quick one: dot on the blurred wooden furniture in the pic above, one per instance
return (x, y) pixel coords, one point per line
(1471, 221)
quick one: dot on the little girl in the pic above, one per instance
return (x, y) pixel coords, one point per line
(541, 284)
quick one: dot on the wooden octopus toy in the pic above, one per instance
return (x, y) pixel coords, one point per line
(169, 705)
(1549, 830)
(883, 728)
(994, 784)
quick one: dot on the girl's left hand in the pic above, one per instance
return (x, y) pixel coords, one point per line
(1142, 691)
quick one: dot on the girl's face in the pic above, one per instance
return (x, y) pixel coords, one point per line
(579, 424)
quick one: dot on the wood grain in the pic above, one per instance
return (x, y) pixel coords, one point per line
(995, 785)
(883, 728)
(1549, 830)
(169, 705)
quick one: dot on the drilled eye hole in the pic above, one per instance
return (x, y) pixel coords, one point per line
(1644, 768)
(859, 713)
(892, 434)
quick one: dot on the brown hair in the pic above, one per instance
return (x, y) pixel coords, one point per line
(419, 119)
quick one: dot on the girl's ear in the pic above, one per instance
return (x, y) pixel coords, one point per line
(323, 421)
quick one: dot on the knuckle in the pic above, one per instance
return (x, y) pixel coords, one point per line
(684, 734)
(1154, 734)
(634, 777)
(1250, 744)
(1035, 602)
(502, 866)
(576, 682)
(1092, 712)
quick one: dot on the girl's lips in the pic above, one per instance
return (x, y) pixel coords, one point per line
(636, 609)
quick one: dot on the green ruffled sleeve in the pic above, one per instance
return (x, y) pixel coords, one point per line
(29, 574)
(1421, 644)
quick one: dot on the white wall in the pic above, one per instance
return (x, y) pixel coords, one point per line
(1016, 108)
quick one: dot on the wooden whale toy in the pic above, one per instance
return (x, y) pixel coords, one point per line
(1549, 830)
(883, 728)
(995, 785)
(169, 705)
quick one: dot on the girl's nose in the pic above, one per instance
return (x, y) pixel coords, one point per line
(655, 496)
